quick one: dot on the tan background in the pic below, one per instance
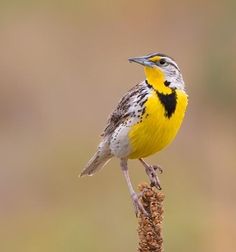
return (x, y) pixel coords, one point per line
(63, 67)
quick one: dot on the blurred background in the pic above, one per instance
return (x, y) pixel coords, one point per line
(63, 68)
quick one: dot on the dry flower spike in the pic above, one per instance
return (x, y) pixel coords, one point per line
(149, 229)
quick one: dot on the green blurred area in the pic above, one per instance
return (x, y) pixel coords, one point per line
(63, 67)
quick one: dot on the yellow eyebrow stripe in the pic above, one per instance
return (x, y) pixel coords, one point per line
(155, 58)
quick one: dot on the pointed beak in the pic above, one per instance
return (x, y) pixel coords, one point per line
(142, 61)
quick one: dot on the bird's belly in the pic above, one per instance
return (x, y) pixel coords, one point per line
(155, 130)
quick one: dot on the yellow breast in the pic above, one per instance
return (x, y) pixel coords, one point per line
(156, 130)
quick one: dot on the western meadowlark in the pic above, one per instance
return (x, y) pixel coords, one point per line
(146, 120)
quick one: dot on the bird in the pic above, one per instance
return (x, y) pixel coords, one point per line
(146, 120)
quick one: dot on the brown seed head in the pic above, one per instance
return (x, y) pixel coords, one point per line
(149, 229)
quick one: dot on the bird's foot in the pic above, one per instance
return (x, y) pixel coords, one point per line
(151, 171)
(138, 206)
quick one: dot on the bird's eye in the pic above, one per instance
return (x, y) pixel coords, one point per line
(162, 62)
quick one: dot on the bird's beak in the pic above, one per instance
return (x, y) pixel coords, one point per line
(142, 60)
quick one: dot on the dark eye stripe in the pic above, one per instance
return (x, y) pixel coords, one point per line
(173, 64)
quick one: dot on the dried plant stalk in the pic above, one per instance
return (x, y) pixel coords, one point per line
(149, 229)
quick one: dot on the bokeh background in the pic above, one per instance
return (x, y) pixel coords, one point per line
(63, 67)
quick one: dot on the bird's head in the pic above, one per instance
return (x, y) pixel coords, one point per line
(161, 71)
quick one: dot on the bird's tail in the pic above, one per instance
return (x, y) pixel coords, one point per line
(99, 160)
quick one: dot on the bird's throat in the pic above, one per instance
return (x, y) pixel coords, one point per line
(155, 77)
(167, 100)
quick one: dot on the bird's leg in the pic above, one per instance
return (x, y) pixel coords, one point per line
(134, 196)
(151, 172)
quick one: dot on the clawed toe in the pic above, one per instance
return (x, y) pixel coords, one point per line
(151, 171)
(157, 168)
(156, 184)
(153, 177)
